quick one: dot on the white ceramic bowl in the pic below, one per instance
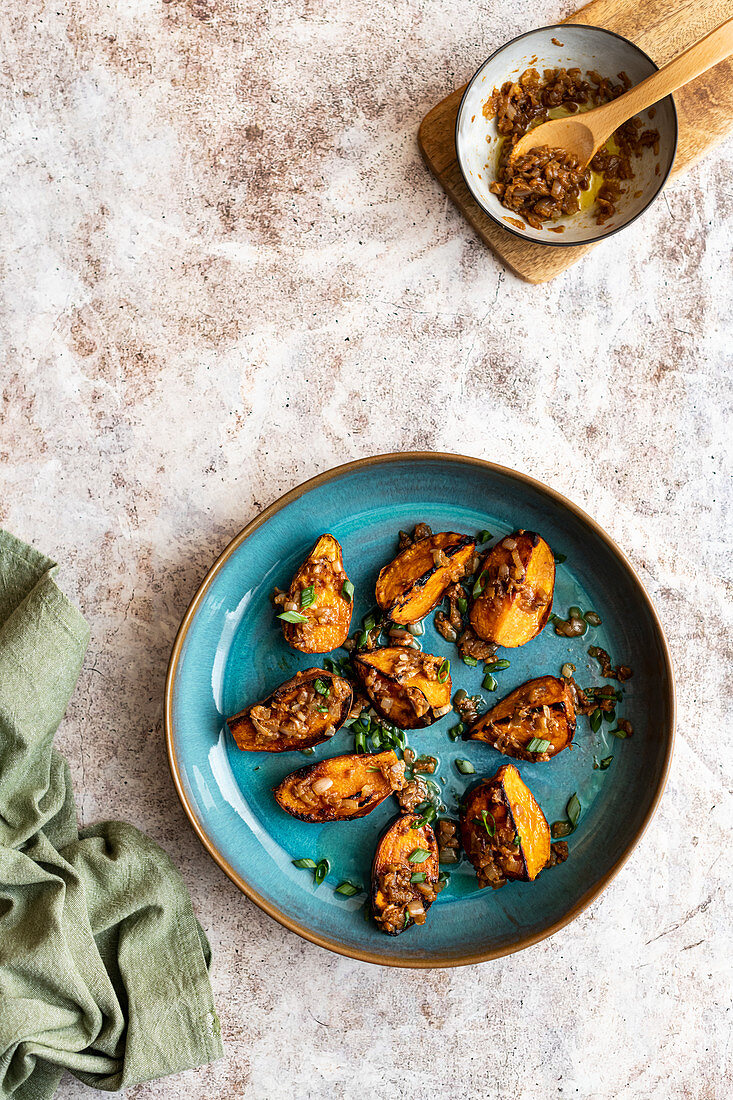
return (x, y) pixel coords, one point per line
(585, 48)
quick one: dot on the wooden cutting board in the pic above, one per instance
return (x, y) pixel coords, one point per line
(662, 28)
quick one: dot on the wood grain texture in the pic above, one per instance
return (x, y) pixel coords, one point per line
(705, 109)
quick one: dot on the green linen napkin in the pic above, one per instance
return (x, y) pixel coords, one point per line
(103, 966)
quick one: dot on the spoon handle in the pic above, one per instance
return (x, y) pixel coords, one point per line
(711, 49)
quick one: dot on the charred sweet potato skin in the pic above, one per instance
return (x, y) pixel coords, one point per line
(415, 581)
(391, 862)
(514, 606)
(251, 731)
(540, 708)
(516, 844)
(358, 784)
(329, 616)
(403, 685)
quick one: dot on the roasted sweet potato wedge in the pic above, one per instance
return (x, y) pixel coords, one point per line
(302, 712)
(539, 713)
(411, 585)
(517, 580)
(405, 686)
(341, 788)
(504, 832)
(404, 888)
(317, 597)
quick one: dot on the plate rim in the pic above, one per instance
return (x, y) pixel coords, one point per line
(271, 910)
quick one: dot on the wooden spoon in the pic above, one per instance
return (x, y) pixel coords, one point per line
(582, 135)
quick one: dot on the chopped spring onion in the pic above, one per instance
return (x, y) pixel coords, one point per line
(470, 661)
(321, 686)
(293, 617)
(490, 829)
(419, 876)
(455, 731)
(496, 666)
(444, 671)
(418, 856)
(489, 682)
(348, 889)
(560, 558)
(462, 605)
(484, 536)
(309, 864)
(307, 752)
(322, 869)
(347, 590)
(479, 585)
(538, 744)
(308, 596)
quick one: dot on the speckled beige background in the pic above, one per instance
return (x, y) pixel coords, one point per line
(225, 270)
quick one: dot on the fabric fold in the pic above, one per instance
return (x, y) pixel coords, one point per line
(104, 970)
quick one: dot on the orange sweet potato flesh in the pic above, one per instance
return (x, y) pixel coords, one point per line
(408, 694)
(275, 725)
(393, 852)
(541, 708)
(511, 609)
(411, 585)
(358, 784)
(503, 830)
(329, 616)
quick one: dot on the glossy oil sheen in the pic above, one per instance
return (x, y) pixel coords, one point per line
(233, 653)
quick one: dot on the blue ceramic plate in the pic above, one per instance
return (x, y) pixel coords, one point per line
(230, 652)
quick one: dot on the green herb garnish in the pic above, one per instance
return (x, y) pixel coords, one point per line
(573, 809)
(307, 752)
(605, 763)
(496, 666)
(444, 876)
(538, 744)
(322, 869)
(484, 536)
(479, 585)
(321, 686)
(309, 864)
(490, 829)
(444, 671)
(621, 734)
(418, 856)
(348, 889)
(322, 710)
(517, 840)
(489, 682)
(419, 876)
(308, 596)
(347, 590)
(462, 605)
(455, 731)
(470, 661)
(596, 719)
(369, 621)
(560, 558)
(360, 741)
(293, 617)
(465, 767)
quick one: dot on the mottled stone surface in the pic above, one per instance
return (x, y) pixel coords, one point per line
(226, 270)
